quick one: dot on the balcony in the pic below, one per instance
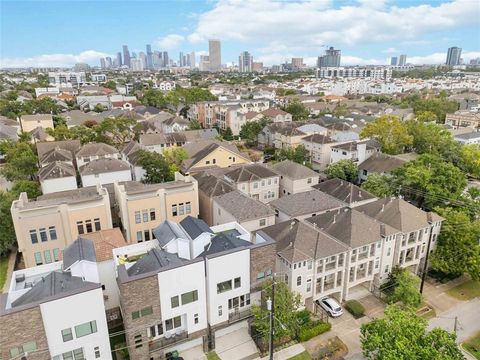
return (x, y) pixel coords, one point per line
(238, 315)
(161, 343)
(328, 285)
(330, 266)
(363, 255)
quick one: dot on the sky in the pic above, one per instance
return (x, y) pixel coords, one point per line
(61, 33)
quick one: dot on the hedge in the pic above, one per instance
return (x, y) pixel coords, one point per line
(355, 308)
(310, 332)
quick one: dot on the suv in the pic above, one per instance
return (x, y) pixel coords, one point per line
(331, 306)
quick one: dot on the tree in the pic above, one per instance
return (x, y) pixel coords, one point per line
(32, 188)
(110, 85)
(343, 169)
(99, 108)
(228, 134)
(402, 335)
(440, 106)
(431, 138)
(390, 132)
(174, 157)
(297, 109)
(403, 286)
(426, 116)
(117, 131)
(470, 159)
(286, 306)
(194, 125)
(340, 110)
(7, 231)
(379, 185)
(83, 133)
(250, 130)
(60, 132)
(156, 167)
(299, 155)
(458, 250)
(21, 163)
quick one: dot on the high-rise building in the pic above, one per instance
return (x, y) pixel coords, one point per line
(119, 59)
(192, 60)
(180, 59)
(393, 61)
(126, 56)
(297, 63)
(137, 64)
(330, 59)
(402, 61)
(245, 62)
(149, 57)
(214, 55)
(204, 63)
(166, 60)
(103, 64)
(108, 61)
(453, 56)
(257, 66)
(143, 58)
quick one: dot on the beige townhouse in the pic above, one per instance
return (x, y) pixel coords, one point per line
(142, 207)
(294, 177)
(45, 226)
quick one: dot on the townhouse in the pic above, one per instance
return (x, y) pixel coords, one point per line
(294, 177)
(190, 283)
(158, 142)
(357, 151)
(57, 176)
(346, 192)
(104, 171)
(95, 151)
(142, 207)
(277, 115)
(379, 163)
(29, 123)
(319, 147)
(45, 226)
(41, 309)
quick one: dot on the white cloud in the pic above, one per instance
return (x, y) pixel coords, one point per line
(170, 41)
(308, 25)
(390, 50)
(54, 60)
(440, 58)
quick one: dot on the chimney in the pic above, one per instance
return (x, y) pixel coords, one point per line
(334, 218)
(359, 194)
(383, 207)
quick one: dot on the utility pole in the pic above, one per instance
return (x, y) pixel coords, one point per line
(455, 326)
(424, 272)
(271, 307)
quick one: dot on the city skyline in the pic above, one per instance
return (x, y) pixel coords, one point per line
(423, 30)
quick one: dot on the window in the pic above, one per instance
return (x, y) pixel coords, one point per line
(80, 227)
(174, 323)
(237, 282)
(139, 236)
(43, 234)
(146, 233)
(138, 341)
(96, 349)
(262, 222)
(224, 286)
(189, 297)
(174, 210)
(145, 215)
(195, 318)
(38, 258)
(181, 209)
(309, 180)
(55, 254)
(220, 312)
(309, 285)
(214, 161)
(67, 335)
(53, 233)
(388, 251)
(138, 218)
(386, 269)
(33, 236)
(98, 227)
(377, 263)
(299, 280)
(309, 265)
(146, 311)
(174, 301)
(152, 214)
(207, 162)
(188, 207)
(88, 226)
(86, 329)
(260, 275)
(48, 258)
(29, 347)
(255, 185)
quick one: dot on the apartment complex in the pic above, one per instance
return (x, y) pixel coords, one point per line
(45, 226)
(372, 72)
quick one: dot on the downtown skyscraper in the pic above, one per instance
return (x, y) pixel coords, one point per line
(214, 55)
(245, 62)
(453, 56)
(126, 56)
(330, 59)
(149, 60)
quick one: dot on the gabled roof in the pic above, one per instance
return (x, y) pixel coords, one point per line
(57, 154)
(153, 260)
(103, 165)
(352, 227)
(318, 139)
(399, 214)
(168, 231)
(56, 170)
(242, 207)
(224, 242)
(344, 191)
(250, 173)
(80, 249)
(195, 227)
(37, 117)
(212, 186)
(96, 149)
(293, 170)
(305, 203)
(54, 285)
(381, 163)
(271, 112)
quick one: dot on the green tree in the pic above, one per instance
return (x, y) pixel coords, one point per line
(156, 167)
(340, 110)
(458, 249)
(390, 132)
(117, 131)
(299, 155)
(83, 133)
(343, 169)
(228, 134)
(21, 163)
(426, 116)
(404, 287)
(110, 84)
(286, 306)
(431, 138)
(402, 335)
(470, 159)
(175, 156)
(7, 231)
(297, 109)
(32, 188)
(60, 132)
(99, 108)
(440, 106)
(379, 185)
(194, 125)
(250, 130)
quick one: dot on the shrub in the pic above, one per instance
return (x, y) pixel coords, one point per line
(312, 331)
(355, 308)
(303, 317)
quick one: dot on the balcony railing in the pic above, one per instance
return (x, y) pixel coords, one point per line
(328, 285)
(330, 266)
(363, 255)
(161, 343)
(239, 315)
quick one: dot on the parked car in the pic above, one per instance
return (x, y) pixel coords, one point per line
(331, 306)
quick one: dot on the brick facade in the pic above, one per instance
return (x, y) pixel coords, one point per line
(262, 259)
(20, 327)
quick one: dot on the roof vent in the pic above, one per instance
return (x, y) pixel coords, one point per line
(383, 206)
(334, 218)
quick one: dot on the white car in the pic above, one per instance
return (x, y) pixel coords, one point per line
(331, 306)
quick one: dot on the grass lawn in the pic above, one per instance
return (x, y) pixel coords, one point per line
(466, 291)
(213, 356)
(472, 345)
(302, 356)
(3, 271)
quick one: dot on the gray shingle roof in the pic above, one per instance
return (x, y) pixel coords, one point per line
(70, 145)
(96, 149)
(343, 190)
(194, 227)
(250, 173)
(212, 186)
(242, 207)
(293, 170)
(168, 231)
(153, 260)
(56, 170)
(305, 203)
(381, 163)
(80, 249)
(100, 166)
(224, 242)
(57, 154)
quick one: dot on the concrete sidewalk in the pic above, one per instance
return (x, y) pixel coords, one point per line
(286, 353)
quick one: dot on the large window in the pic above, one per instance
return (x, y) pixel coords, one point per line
(188, 207)
(53, 233)
(48, 258)
(145, 215)
(189, 297)
(174, 301)
(224, 286)
(33, 236)
(299, 280)
(55, 254)
(181, 209)
(86, 329)
(152, 214)
(98, 227)
(138, 219)
(80, 227)
(156, 330)
(88, 226)
(43, 234)
(237, 282)
(174, 323)
(67, 335)
(38, 258)
(174, 210)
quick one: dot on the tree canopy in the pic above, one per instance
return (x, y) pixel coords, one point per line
(343, 169)
(21, 163)
(299, 155)
(297, 109)
(390, 132)
(250, 130)
(379, 185)
(156, 168)
(404, 287)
